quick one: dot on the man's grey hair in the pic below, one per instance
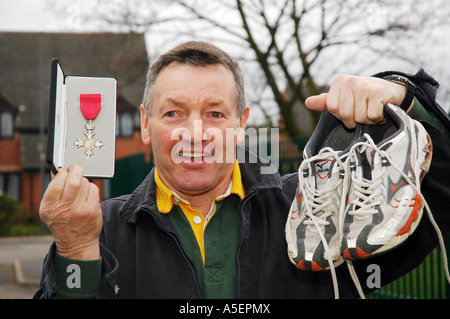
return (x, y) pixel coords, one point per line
(195, 53)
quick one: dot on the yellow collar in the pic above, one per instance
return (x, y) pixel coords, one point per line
(165, 198)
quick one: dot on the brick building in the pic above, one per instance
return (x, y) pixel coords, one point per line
(25, 60)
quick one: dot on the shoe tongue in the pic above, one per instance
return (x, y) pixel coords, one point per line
(322, 170)
(365, 159)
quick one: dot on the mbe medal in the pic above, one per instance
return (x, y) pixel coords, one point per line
(90, 106)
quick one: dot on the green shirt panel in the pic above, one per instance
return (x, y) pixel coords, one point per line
(217, 277)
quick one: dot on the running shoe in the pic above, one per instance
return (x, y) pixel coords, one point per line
(385, 204)
(312, 227)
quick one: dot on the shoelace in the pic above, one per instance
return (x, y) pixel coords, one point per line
(366, 193)
(370, 143)
(320, 201)
(317, 200)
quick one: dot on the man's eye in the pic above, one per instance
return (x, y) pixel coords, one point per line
(171, 114)
(216, 114)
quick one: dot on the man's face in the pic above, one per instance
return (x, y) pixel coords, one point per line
(192, 109)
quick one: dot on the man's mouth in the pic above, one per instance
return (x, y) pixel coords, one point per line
(193, 155)
(189, 154)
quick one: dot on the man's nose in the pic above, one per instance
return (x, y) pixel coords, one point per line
(195, 129)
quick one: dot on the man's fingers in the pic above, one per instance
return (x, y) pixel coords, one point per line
(347, 108)
(360, 94)
(94, 194)
(375, 111)
(354, 99)
(333, 98)
(83, 191)
(73, 184)
(317, 102)
(56, 188)
(341, 101)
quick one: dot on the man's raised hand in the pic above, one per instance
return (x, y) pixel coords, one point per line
(71, 209)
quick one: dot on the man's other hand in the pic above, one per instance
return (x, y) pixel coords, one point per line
(357, 99)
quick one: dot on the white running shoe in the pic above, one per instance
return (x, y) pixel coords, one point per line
(312, 228)
(385, 204)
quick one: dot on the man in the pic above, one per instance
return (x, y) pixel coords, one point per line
(201, 225)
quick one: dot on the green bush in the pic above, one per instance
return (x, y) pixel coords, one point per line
(12, 220)
(25, 230)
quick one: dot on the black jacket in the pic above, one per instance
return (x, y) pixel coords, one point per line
(142, 255)
(144, 258)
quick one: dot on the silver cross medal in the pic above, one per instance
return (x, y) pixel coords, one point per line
(89, 143)
(90, 106)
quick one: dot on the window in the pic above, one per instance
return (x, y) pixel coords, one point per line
(6, 125)
(9, 184)
(124, 124)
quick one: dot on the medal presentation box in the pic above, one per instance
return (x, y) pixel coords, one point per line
(82, 123)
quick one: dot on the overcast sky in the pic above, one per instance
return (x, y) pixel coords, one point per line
(30, 15)
(25, 15)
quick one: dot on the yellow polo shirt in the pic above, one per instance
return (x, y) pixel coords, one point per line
(166, 198)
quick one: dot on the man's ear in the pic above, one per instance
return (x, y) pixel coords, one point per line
(145, 133)
(242, 125)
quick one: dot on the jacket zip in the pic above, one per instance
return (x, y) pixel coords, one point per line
(180, 246)
(241, 204)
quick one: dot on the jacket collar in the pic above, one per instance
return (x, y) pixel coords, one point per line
(251, 167)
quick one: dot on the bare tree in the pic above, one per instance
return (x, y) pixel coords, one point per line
(291, 48)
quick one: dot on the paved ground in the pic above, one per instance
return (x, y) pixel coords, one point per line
(21, 265)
